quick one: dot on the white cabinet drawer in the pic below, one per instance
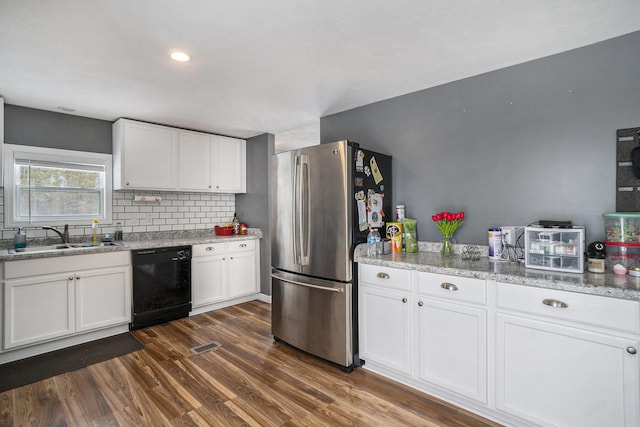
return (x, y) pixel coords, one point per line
(63, 264)
(392, 278)
(208, 249)
(465, 289)
(242, 245)
(596, 310)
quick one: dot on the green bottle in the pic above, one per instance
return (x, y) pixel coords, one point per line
(20, 241)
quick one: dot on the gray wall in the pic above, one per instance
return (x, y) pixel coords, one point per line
(39, 128)
(253, 207)
(509, 147)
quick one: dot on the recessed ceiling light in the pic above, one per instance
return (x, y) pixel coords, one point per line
(180, 56)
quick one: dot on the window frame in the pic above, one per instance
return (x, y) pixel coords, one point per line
(54, 155)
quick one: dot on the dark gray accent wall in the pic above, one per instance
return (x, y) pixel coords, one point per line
(528, 142)
(39, 128)
(253, 207)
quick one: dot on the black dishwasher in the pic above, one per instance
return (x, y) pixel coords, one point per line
(161, 285)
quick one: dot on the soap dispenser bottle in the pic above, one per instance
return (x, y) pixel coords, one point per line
(20, 241)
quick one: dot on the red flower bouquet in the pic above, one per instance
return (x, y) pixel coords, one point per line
(448, 223)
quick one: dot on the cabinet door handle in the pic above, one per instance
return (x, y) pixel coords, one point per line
(126, 183)
(555, 303)
(77, 277)
(449, 286)
(244, 245)
(70, 277)
(631, 350)
(404, 299)
(420, 303)
(383, 276)
(209, 248)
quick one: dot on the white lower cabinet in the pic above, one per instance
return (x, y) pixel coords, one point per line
(223, 272)
(46, 299)
(520, 355)
(207, 279)
(415, 324)
(242, 270)
(103, 297)
(452, 336)
(385, 327)
(556, 373)
(38, 309)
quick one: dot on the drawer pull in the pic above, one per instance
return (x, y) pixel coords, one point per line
(555, 303)
(383, 276)
(631, 350)
(404, 299)
(244, 245)
(449, 286)
(420, 303)
(209, 248)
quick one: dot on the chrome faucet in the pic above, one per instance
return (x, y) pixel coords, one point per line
(64, 235)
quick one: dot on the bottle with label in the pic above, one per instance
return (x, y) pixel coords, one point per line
(495, 243)
(374, 242)
(400, 217)
(118, 234)
(20, 241)
(236, 224)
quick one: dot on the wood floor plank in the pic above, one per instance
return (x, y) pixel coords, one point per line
(249, 380)
(6, 408)
(81, 398)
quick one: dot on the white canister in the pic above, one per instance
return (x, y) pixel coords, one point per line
(495, 243)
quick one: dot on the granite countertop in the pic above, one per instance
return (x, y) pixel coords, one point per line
(150, 240)
(608, 284)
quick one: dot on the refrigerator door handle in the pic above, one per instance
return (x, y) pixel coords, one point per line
(305, 194)
(297, 168)
(301, 202)
(308, 285)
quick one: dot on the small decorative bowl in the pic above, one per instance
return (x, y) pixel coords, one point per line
(224, 230)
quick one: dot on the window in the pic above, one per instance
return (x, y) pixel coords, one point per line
(45, 186)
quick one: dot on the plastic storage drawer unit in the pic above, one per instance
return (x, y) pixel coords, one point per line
(558, 249)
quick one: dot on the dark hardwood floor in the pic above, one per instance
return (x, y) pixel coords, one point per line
(249, 380)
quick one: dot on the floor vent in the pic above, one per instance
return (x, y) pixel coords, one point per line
(205, 347)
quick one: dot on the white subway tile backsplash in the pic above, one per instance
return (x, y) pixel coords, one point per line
(176, 211)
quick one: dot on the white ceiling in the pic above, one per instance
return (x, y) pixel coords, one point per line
(273, 65)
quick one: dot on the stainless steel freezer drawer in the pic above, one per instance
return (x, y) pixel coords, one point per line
(313, 315)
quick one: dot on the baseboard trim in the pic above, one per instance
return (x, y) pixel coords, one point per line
(264, 298)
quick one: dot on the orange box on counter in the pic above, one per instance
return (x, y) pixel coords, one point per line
(394, 233)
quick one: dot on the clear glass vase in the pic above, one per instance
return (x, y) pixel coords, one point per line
(447, 245)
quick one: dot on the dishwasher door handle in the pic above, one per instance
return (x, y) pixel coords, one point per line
(308, 285)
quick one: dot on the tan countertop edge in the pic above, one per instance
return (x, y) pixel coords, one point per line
(129, 245)
(608, 284)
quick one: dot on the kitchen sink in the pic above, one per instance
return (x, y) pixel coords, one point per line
(62, 247)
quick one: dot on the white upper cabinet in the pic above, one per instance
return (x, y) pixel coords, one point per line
(144, 156)
(196, 153)
(229, 165)
(154, 157)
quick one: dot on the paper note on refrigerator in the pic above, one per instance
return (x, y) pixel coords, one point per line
(377, 176)
(375, 213)
(362, 215)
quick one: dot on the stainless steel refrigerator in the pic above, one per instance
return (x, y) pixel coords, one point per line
(324, 198)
